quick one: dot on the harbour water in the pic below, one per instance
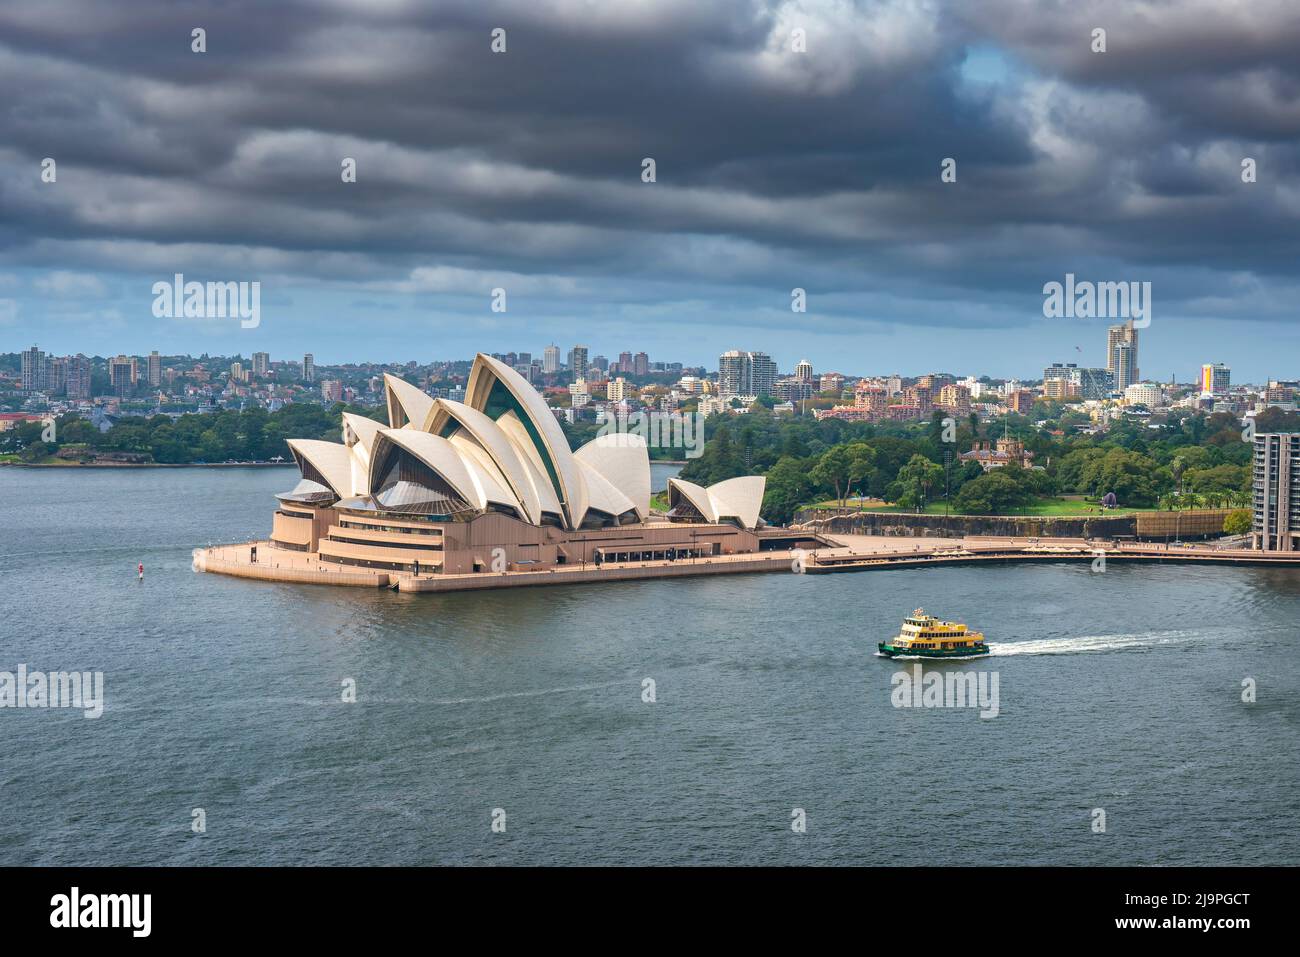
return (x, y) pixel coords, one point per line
(1119, 691)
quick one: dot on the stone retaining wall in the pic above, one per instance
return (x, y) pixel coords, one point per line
(853, 522)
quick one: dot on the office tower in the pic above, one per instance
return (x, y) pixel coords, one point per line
(1124, 372)
(261, 364)
(1117, 336)
(525, 359)
(123, 373)
(641, 364)
(745, 373)
(78, 381)
(33, 370)
(155, 369)
(1276, 486)
(804, 371)
(1215, 378)
(551, 359)
(309, 368)
(578, 364)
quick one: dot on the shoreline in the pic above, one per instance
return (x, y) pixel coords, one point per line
(146, 465)
(185, 465)
(849, 553)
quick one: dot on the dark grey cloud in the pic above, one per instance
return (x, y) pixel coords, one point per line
(775, 169)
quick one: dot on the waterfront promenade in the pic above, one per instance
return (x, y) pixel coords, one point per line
(843, 553)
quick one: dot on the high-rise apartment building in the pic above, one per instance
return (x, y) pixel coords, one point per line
(1215, 378)
(551, 359)
(261, 364)
(78, 381)
(56, 375)
(745, 373)
(1122, 364)
(1276, 487)
(309, 368)
(33, 370)
(1057, 370)
(1144, 393)
(155, 369)
(331, 390)
(123, 374)
(1067, 380)
(1020, 401)
(641, 364)
(1091, 383)
(1125, 371)
(1060, 389)
(804, 371)
(578, 364)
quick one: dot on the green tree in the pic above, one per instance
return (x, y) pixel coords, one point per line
(844, 466)
(788, 487)
(916, 479)
(1237, 522)
(996, 492)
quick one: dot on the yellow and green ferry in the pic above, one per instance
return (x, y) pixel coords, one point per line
(925, 636)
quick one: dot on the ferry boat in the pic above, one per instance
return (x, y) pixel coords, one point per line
(925, 636)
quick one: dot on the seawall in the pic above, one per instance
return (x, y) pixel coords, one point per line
(1187, 524)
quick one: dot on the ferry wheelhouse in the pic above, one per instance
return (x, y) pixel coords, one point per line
(925, 636)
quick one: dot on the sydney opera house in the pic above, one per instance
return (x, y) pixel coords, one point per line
(491, 485)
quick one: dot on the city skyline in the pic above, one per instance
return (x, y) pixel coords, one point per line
(1117, 166)
(552, 359)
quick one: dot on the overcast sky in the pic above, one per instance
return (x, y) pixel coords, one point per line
(775, 169)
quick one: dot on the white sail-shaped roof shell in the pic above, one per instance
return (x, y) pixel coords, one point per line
(624, 461)
(533, 462)
(360, 430)
(503, 448)
(554, 447)
(697, 495)
(332, 460)
(601, 494)
(359, 435)
(407, 405)
(740, 498)
(469, 480)
(516, 467)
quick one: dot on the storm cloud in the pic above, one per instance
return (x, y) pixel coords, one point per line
(775, 169)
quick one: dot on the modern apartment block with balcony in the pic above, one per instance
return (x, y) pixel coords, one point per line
(1276, 486)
